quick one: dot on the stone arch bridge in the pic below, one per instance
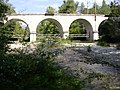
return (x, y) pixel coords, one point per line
(63, 21)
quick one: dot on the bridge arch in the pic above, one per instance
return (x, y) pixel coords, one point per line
(22, 24)
(101, 29)
(88, 27)
(17, 20)
(54, 21)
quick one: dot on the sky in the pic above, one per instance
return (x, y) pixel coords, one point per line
(40, 6)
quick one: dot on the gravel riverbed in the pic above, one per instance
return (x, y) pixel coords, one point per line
(101, 61)
(98, 66)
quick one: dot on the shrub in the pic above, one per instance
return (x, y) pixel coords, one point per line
(102, 43)
(106, 38)
(118, 46)
(35, 71)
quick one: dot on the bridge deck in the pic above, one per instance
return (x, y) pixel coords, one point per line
(62, 14)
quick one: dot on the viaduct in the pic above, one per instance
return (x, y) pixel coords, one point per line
(63, 21)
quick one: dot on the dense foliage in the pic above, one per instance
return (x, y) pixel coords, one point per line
(18, 32)
(47, 27)
(77, 28)
(4, 37)
(35, 71)
(110, 29)
(104, 9)
(69, 7)
(50, 10)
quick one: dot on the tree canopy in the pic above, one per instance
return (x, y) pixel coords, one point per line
(4, 37)
(110, 29)
(69, 7)
(50, 10)
(105, 9)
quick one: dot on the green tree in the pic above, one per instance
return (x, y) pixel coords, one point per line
(115, 9)
(110, 30)
(3, 9)
(47, 27)
(105, 9)
(4, 37)
(82, 8)
(17, 31)
(50, 10)
(77, 28)
(92, 10)
(11, 9)
(69, 7)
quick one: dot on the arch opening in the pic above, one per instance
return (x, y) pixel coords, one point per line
(81, 30)
(107, 32)
(101, 29)
(49, 27)
(19, 30)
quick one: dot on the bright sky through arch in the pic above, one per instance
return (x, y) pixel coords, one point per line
(39, 6)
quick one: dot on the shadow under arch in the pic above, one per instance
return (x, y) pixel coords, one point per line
(103, 29)
(26, 27)
(88, 28)
(57, 23)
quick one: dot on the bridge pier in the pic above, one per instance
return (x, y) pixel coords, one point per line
(33, 37)
(95, 36)
(65, 35)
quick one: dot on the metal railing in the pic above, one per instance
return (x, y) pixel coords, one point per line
(79, 35)
(48, 35)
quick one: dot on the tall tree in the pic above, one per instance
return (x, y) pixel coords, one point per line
(115, 9)
(3, 9)
(82, 7)
(4, 38)
(110, 30)
(105, 9)
(92, 10)
(69, 7)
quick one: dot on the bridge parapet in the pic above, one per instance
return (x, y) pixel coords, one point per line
(56, 14)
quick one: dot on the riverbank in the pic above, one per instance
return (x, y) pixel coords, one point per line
(100, 62)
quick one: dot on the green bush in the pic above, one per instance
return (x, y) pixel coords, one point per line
(35, 71)
(102, 43)
(118, 46)
(110, 38)
(105, 38)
